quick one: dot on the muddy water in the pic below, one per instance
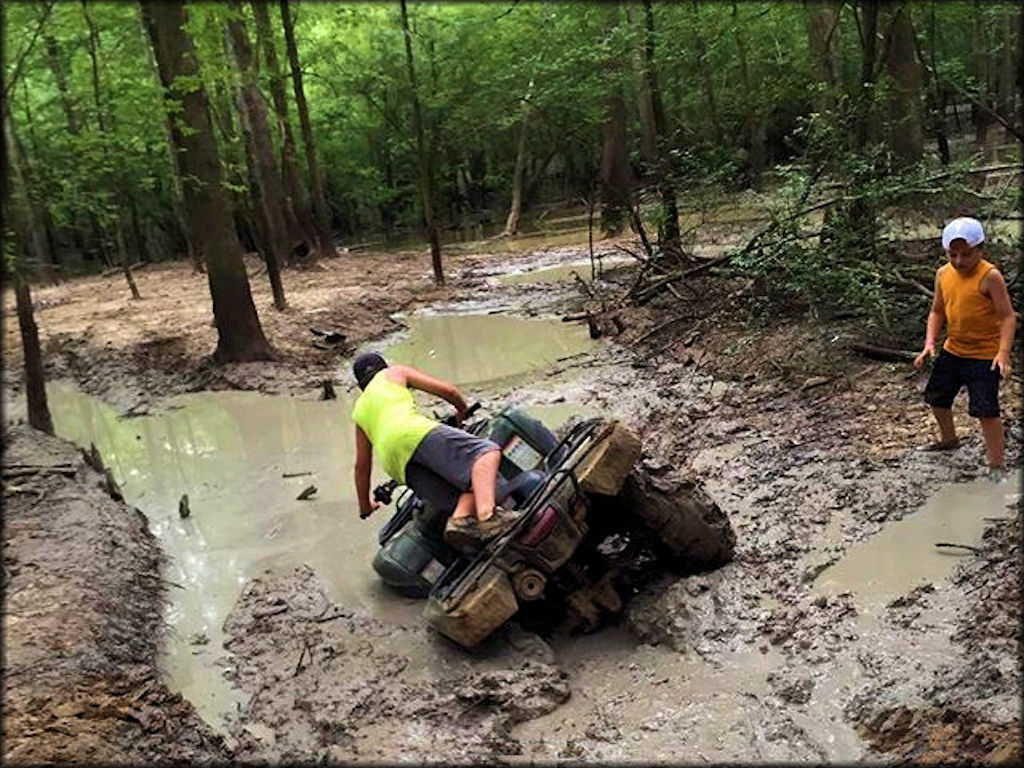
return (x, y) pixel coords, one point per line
(494, 349)
(903, 554)
(561, 273)
(243, 458)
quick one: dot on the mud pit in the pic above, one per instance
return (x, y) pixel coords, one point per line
(757, 661)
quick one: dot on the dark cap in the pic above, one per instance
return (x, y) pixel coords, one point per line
(366, 366)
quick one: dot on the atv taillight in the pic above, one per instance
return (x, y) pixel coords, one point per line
(542, 527)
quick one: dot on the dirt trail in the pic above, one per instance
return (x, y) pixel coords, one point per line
(804, 468)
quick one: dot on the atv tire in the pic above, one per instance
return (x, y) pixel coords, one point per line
(686, 521)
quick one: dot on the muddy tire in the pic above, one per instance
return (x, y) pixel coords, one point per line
(686, 521)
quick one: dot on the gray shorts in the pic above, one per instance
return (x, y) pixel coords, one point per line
(441, 466)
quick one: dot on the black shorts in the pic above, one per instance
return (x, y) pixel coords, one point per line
(441, 466)
(951, 372)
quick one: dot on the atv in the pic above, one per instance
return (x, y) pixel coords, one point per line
(568, 557)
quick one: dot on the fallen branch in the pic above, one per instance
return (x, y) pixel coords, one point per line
(295, 474)
(950, 544)
(883, 353)
(662, 326)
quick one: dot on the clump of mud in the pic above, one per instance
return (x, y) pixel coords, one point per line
(329, 683)
(83, 619)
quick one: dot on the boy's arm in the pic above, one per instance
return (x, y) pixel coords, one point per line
(995, 287)
(936, 317)
(417, 379)
(361, 473)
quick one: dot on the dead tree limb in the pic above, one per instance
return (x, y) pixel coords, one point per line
(883, 353)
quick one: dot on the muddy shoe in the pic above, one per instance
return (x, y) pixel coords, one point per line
(497, 523)
(467, 534)
(940, 446)
(461, 534)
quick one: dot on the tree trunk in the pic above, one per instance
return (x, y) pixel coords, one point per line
(515, 209)
(979, 64)
(823, 33)
(616, 175)
(29, 239)
(863, 130)
(906, 138)
(268, 189)
(323, 218)
(425, 170)
(105, 129)
(668, 223)
(177, 200)
(300, 227)
(935, 95)
(713, 126)
(1009, 68)
(754, 131)
(40, 212)
(240, 336)
(35, 380)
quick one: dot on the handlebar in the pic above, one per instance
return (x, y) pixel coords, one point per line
(383, 492)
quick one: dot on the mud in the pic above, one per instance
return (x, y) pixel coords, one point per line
(82, 621)
(749, 662)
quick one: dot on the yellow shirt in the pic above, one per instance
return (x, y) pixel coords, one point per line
(972, 326)
(386, 412)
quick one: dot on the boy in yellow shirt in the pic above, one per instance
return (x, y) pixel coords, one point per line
(972, 300)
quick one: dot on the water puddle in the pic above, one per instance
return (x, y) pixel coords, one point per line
(903, 554)
(560, 273)
(243, 458)
(477, 349)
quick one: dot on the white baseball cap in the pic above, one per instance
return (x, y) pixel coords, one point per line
(966, 228)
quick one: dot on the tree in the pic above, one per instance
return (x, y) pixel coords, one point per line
(240, 336)
(904, 102)
(516, 207)
(268, 190)
(103, 122)
(323, 219)
(426, 176)
(655, 142)
(299, 225)
(28, 239)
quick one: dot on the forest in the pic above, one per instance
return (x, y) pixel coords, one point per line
(713, 224)
(328, 121)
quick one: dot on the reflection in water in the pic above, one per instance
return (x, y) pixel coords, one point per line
(229, 451)
(472, 349)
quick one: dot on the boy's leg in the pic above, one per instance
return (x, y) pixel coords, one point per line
(983, 391)
(943, 384)
(466, 506)
(484, 476)
(947, 432)
(995, 442)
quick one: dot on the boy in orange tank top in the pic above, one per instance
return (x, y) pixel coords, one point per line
(971, 299)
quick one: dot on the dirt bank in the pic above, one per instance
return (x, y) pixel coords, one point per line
(808, 449)
(83, 605)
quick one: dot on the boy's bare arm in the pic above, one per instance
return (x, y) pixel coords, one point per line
(361, 473)
(994, 286)
(417, 379)
(936, 317)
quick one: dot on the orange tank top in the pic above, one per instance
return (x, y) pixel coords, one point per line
(972, 327)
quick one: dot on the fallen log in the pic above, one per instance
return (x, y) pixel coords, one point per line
(883, 353)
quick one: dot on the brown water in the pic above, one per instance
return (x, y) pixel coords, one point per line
(473, 350)
(903, 554)
(230, 452)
